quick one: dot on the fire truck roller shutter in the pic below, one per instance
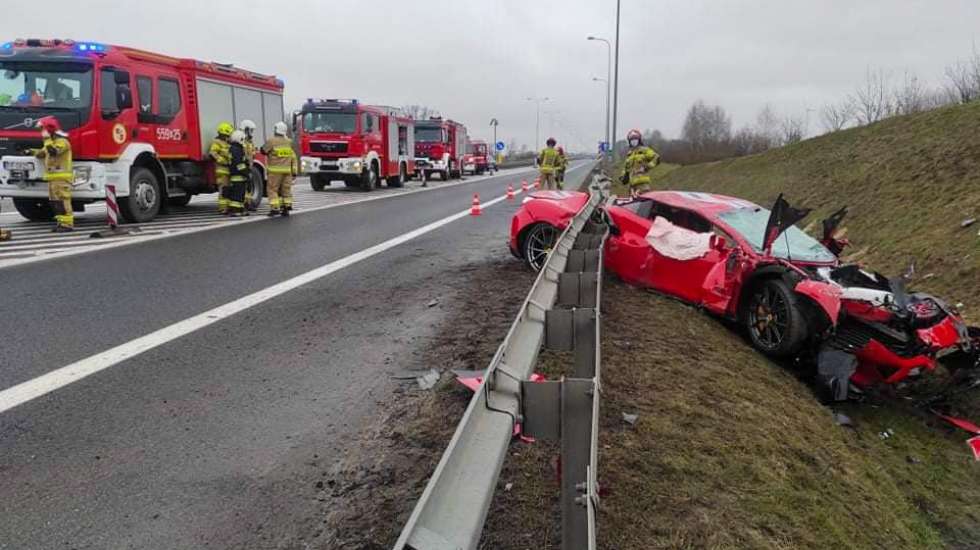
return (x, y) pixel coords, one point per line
(214, 103)
(248, 106)
(273, 111)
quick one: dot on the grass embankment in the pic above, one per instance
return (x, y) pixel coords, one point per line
(732, 451)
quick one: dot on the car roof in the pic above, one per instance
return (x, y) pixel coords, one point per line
(707, 204)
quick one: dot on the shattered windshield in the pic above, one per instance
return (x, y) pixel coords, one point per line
(794, 244)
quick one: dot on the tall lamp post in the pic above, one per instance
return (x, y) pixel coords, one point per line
(615, 112)
(537, 119)
(608, 79)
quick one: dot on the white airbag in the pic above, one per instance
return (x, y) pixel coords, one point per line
(676, 242)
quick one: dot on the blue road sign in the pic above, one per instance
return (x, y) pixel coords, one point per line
(500, 146)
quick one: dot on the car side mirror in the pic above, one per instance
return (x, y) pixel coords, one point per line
(614, 230)
(718, 243)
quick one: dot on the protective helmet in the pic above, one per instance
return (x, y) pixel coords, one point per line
(280, 128)
(634, 134)
(237, 136)
(561, 149)
(225, 129)
(551, 141)
(247, 126)
(50, 124)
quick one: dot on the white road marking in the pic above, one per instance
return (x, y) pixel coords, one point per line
(59, 378)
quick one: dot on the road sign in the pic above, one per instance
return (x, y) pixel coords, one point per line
(603, 146)
(500, 146)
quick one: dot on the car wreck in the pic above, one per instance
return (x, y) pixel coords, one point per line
(790, 293)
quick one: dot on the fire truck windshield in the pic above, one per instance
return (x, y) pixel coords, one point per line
(339, 123)
(433, 133)
(56, 85)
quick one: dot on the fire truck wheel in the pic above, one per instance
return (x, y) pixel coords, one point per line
(257, 187)
(143, 202)
(399, 180)
(36, 210)
(182, 200)
(318, 182)
(369, 180)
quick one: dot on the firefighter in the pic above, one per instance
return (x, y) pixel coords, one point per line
(282, 168)
(248, 127)
(560, 168)
(220, 153)
(56, 154)
(547, 161)
(239, 173)
(640, 162)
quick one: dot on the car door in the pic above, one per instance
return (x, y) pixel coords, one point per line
(626, 251)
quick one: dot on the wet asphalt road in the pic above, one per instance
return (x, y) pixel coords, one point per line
(206, 439)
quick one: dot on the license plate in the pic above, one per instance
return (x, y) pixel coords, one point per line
(15, 166)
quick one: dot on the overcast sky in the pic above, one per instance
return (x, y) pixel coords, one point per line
(477, 60)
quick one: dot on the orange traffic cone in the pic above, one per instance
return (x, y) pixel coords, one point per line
(510, 192)
(475, 210)
(524, 186)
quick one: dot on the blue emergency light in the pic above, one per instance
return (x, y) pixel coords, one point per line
(7, 46)
(90, 47)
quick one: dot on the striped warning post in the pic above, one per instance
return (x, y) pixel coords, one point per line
(112, 207)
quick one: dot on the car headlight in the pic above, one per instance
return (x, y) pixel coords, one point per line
(356, 165)
(82, 174)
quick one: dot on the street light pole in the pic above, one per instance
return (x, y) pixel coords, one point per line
(537, 119)
(597, 79)
(616, 82)
(608, 79)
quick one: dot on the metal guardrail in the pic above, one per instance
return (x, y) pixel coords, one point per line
(562, 312)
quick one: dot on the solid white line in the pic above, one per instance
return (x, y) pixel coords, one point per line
(59, 378)
(127, 242)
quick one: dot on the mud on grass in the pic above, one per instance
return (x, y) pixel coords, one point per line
(733, 451)
(368, 497)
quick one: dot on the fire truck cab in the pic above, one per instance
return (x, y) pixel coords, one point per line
(477, 159)
(358, 144)
(439, 147)
(140, 121)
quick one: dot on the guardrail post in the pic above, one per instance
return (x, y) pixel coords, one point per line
(576, 443)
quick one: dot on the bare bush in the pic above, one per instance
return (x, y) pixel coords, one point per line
(910, 97)
(767, 128)
(706, 126)
(871, 100)
(793, 129)
(836, 116)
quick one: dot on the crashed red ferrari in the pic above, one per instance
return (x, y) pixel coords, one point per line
(789, 291)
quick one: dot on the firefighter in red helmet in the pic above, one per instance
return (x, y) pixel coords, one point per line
(640, 162)
(55, 152)
(560, 167)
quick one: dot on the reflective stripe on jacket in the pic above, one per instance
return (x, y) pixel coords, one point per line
(547, 160)
(282, 158)
(220, 153)
(639, 164)
(56, 153)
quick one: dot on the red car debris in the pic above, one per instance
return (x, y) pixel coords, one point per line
(789, 291)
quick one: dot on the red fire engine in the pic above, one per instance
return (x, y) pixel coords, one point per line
(477, 160)
(440, 146)
(354, 143)
(138, 120)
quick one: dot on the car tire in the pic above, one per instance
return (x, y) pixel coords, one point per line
(181, 200)
(144, 200)
(536, 244)
(35, 210)
(775, 319)
(399, 180)
(318, 182)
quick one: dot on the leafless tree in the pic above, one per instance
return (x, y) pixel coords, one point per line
(419, 112)
(836, 116)
(706, 127)
(767, 128)
(964, 80)
(872, 102)
(911, 97)
(792, 129)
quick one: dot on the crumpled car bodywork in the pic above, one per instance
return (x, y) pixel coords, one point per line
(789, 291)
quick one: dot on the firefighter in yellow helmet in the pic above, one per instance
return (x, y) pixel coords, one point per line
(220, 152)
(58, 172)
(248, 128)
(282, 168)
(640, 162)
(560, 168)
(547, 164)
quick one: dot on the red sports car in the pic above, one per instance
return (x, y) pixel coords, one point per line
(788, 290)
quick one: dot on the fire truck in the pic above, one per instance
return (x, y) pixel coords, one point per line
(358, 144)
(439, 147)
(137, 120)
(477, 160)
